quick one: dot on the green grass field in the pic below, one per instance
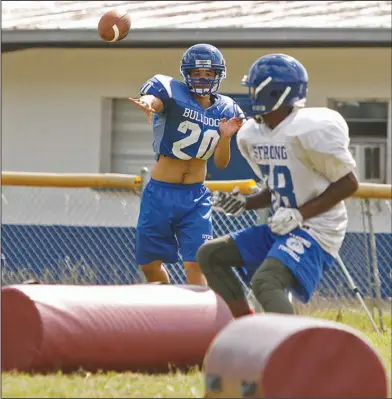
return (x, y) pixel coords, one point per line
(174, 385)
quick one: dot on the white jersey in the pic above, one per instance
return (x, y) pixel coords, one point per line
(298, 160)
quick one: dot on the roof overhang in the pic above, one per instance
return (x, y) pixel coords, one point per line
(178, 38)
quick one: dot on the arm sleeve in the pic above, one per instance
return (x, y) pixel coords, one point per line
(238, 111)
(158, 86)
(327, 149)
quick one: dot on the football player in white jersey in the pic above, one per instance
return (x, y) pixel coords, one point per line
(302, 156)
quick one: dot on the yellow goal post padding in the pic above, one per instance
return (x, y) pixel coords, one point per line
(122, 181)
(71, 180)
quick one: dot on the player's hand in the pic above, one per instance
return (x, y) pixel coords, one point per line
(231, 204)
(285, 220)
(228, 128)
(149, 111)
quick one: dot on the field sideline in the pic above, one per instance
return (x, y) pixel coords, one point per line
(175, 385)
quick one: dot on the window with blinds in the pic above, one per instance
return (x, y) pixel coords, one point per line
(368, 124)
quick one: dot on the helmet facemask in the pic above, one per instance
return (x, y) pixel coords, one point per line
(203, 86)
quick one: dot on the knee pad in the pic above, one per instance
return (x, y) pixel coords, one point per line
(203, 256)
(263, 282)
(270, 276)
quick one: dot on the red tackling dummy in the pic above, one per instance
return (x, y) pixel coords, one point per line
(138, 327)
(278, 356)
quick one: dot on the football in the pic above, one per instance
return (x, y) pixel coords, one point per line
(114, 26)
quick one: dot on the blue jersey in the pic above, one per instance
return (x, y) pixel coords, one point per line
(184, 129)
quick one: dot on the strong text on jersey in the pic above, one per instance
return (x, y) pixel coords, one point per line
(267, 152)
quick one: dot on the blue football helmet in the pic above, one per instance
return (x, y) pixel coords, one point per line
(203, 56)
(275, 80)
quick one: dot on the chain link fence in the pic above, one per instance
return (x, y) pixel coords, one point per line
(87, 236)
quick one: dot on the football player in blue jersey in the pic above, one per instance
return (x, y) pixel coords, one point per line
(191, 123)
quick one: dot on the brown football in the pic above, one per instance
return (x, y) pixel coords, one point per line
(114, 26)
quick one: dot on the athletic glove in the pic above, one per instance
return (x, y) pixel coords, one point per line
(285, 220)
(231, 204)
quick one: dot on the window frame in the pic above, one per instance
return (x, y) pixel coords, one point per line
(361, 142)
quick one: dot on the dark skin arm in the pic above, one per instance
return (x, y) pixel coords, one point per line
(336, 192)
(259, 200)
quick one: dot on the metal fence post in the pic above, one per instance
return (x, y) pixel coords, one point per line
(376, 275)
(369, 292)
(144, 175)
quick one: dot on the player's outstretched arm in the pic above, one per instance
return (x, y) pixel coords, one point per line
(227, 129)
(287, 219)
(149, 104)
(260, 200)
(335, 193)
(222, 153)
(234, 203)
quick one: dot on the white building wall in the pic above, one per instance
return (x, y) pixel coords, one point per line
(52, 99)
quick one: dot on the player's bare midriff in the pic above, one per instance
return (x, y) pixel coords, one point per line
(178, 171)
